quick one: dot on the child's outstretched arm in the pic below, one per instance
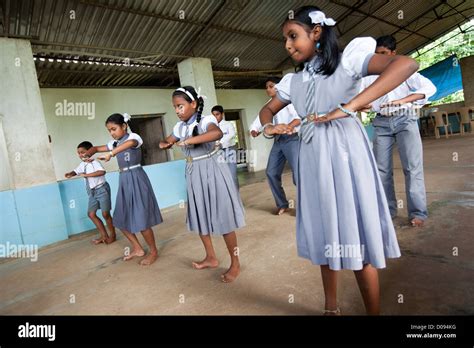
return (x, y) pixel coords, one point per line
(70, 174)
(393, 70)
(122, 147)
(96, 173)
(168, 142)
(213, 133)
(408, 99)
(269, 110)
(421, 89)
(94, 149)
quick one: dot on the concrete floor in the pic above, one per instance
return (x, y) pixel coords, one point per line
(428, 278)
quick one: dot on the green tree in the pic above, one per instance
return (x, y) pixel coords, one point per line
(460, 42)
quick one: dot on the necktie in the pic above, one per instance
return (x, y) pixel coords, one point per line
(187, 151)
(307, 126)
(88, 185)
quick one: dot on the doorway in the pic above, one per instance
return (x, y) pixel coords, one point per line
(150, 128)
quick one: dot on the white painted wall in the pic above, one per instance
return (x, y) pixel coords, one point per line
(68, 131)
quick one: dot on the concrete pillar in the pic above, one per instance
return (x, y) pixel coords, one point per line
(24, 127)
(197, 72)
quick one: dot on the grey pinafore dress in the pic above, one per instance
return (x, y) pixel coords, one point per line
(136, 208)
(214, 203)
(343, 218)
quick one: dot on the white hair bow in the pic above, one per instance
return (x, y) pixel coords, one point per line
(199, 94)
(126, 117)
(318, 17)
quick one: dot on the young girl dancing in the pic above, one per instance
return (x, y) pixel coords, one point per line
(214, 204)
(136, 209)
(343, 220)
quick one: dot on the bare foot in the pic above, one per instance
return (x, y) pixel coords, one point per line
(98, 241)
(111, 239)
(134, 253)
(151, 257)
(416, 222)
(330, 312)
(281, 211)
(206, 263)
(231, 274)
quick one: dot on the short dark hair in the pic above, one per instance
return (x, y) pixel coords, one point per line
(217, 108)
(274, 79)
(85, 144)
(387, 41)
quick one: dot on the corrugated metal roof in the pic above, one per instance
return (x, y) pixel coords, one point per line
(97, 43)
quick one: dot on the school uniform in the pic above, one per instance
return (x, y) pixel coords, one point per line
(401, 128)
(136, 208)
(97, 188)
(228, 147)
(341, 200)
(214, 203)
(285, 148)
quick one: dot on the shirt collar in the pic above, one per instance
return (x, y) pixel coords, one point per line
(315, 62)
(191, 120)
(126, 135)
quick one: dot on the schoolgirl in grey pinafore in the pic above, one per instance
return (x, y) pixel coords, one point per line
(214, 203)
(343, 218)
(136, 208)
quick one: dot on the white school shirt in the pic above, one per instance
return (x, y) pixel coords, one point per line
(415, 84)
(88, 168)
(285, 115)
(228, 139)
(183, 129)
(131, 136)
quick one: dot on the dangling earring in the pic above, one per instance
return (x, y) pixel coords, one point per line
(318, 45)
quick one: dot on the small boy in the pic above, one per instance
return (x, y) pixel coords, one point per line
(99, 193)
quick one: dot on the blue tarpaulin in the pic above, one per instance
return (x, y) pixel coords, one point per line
(446, 76)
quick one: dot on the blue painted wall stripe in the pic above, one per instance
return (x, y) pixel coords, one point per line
(50, 213)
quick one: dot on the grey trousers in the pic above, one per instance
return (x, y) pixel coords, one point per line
(285, 148)
(402, 129)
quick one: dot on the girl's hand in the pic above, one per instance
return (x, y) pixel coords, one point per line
(366, 108)
(254, 133)
(284, 128)
(397, 102)
(278, 129)
(291, 129)
(106, 157)
(87, 159)
(333, 115)
(182, 143)
(165, 145)
(68, 175)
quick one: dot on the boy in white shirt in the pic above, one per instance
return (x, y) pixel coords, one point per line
(227, 141)
(99, 193)
(285, 148)
(397, 122)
